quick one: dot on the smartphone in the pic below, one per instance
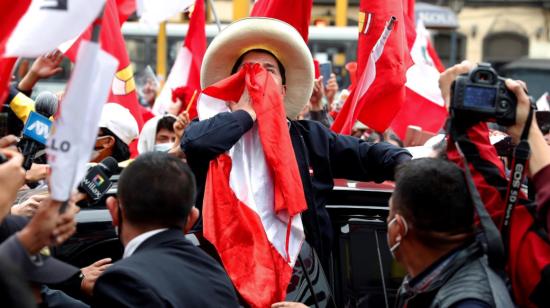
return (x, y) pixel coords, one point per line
(326, 70)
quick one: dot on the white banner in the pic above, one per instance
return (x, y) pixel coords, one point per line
(48, 23)
(179, 74)
(75, 129)
(157, 11)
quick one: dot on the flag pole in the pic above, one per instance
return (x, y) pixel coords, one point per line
(216, 18)
(96, 30)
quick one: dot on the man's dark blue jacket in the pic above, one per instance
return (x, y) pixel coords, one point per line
(321, 154)
(166, 270)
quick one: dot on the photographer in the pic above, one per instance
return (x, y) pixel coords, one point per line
(528, 247)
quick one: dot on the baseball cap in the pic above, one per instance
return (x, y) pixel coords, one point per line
(120, 121)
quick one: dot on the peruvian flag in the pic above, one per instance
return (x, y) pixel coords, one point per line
(383, 59)
(16, 10)
(186, 70)
(298, 14)
(253, 195)
(123, 89)
(424, 106)
(46, 24)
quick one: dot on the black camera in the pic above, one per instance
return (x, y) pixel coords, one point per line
(482, 95)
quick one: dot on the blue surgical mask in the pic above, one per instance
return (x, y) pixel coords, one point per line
(163, 147)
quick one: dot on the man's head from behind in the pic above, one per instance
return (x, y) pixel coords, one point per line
(155, 191)
(430, 208)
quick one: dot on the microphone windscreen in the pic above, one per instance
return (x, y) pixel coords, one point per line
(109, 165)
(46, 104)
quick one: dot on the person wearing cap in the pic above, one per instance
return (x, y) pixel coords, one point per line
(321, 154)
(117, 129)
(157, 134)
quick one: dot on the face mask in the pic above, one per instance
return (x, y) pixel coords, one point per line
(163, 147)
(95, 154)
(398, 241)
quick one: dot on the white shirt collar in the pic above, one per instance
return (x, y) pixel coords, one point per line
(136, 241)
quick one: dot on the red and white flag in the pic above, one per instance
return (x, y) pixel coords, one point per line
(186, 70)
(46, 24)
(383, 58)
(254, 196)
(297, 14)
(74, 131)
(424, 106)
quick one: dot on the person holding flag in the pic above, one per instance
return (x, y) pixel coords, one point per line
(256, 168)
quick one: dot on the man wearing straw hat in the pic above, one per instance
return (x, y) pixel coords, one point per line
(321, 154)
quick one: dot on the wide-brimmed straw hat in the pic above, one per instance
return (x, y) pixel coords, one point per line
(275, 36)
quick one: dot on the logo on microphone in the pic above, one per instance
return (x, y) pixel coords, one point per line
(37, 127)
(98, 180)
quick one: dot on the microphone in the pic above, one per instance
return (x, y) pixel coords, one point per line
(37, 128)
(97, 181)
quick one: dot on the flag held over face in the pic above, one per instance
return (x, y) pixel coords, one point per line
(74, 132)
(253, 195)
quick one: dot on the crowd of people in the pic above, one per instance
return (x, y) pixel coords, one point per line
(433, 227)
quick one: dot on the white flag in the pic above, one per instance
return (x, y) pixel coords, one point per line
(157, 11)
(179, 74)
(48, 23)
(74, 132)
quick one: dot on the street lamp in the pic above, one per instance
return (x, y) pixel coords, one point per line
(456, 6)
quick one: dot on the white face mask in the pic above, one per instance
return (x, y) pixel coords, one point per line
(398, 242)
(163, 147)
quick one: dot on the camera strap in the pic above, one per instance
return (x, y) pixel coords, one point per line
(491, 235)
(519, 165)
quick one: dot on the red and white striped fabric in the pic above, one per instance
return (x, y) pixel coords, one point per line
(424, 106)
(186, 69)
(254, 196)
(350, 112)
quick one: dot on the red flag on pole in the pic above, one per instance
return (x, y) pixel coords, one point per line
(424, 106)
(383, 59)
(13, 10)
(186, 70)
(298, 14)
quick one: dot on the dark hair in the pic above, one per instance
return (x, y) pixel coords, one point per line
(279, 64)
(168, 195)
(392, 136)
(167, 123)
(121, 151)
(432, 194)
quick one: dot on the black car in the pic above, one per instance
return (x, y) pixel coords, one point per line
(362, 271)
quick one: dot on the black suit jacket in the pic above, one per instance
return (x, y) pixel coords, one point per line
(166, 270)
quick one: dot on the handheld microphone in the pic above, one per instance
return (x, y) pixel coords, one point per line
(97, 181)
(37, 128)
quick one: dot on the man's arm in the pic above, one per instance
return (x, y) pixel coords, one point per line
(356, 159)
(206, 139)
(120, 288)
(353, 158)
